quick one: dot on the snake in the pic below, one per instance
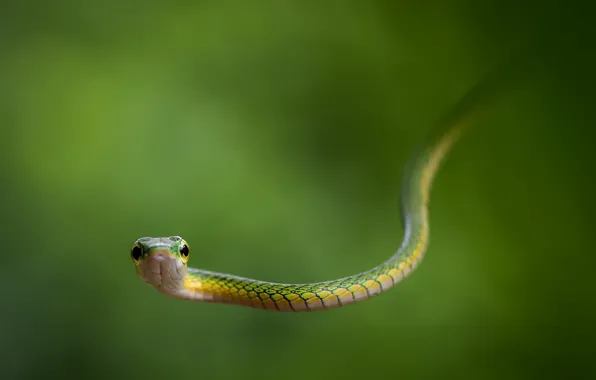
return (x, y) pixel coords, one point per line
(162, 262)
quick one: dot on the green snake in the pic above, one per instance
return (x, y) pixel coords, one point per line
(163, 261)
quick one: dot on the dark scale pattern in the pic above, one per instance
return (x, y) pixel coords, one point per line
(224, 288)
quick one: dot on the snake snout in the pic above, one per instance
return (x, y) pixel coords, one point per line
(159, 257)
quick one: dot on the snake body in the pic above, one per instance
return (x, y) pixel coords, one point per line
(162, 261)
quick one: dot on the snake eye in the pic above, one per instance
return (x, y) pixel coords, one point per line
(184, 251)
(136, 252)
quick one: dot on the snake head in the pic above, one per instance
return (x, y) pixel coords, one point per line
(161, 261)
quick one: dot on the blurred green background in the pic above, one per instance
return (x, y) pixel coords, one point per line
(272, 136)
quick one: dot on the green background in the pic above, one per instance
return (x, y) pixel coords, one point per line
(272, 136)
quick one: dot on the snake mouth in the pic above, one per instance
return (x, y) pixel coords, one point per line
(162, 271)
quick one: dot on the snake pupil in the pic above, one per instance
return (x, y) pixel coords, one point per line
(136, 252)
(184, 250)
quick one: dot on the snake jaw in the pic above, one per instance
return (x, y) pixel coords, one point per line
(163, 271)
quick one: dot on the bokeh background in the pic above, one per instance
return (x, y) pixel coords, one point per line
(273, 136)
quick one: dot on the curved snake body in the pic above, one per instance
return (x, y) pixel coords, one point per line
(162, 261)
